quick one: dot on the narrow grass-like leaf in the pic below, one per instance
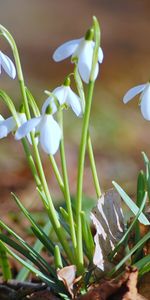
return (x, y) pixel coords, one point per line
(38, 246)
(132, 206)
(140, 188)
(37, 258)
(145, 269)
(9, 103)
(64, 214)
(26, 253)
(141, 185)
(57, 286)
(6, 271)
(142, 263)
(139, 245)
(146, 161)
(32, 103)
(40, 234)
(57, 257)
(87, 236)
(124, 239)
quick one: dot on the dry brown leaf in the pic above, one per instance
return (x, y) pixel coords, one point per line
(67, 275)
(123, 288)
(108, 219)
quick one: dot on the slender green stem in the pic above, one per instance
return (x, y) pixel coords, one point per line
(6, 271)
(80, 89)
(82, 150)
(57, 173)
(93, 167)
(66, 185)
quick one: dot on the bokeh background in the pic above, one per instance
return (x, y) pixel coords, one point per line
(119, 133)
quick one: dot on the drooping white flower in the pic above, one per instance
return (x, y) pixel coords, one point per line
(7, 64)
(9, 125)
(48, 129)
(83, 50)
(144, 89)
(64, 95)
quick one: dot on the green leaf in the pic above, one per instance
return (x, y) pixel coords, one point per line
(24, 272)
(138, 246)
(132, 206)
(140, 188)
(9, 103)
(143, 265)
(32, 103)
(55, 285)
(39, 233)
(29, 255)
(124, 239)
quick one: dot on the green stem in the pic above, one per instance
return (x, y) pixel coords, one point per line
(81, 160)
(82, 149)
(93, 167)
(6, 271)
(66, 185)
(57, 173)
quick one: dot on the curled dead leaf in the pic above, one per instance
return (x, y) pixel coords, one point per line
(67, 275)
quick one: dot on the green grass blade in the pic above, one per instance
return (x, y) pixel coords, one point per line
(138, 246)
(6, 271)
(126, 235)
(132, 206)
(32, 269)
(22, 251)
(29, 250)
(38, 246)
(32, 103)
(142, 264)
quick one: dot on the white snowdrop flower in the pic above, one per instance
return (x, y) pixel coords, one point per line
(7, 64)
(48, 129)
(144, 89)
(9, 125)
(82, 49)
(64, 95)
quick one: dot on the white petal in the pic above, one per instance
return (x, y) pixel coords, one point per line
(61, 94)
(100, 55)
(1, 119)
(74, 101)
(66, 50)
(49, 101)
(133, 92)
(145, 103)
(85, 61)
(27, 127)
(50, 135)
(8, 65)
(7, 126)
(96, 71)
(3, 131)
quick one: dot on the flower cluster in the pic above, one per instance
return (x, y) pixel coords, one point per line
(45, 126)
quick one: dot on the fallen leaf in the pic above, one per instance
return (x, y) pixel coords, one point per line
(124, 288)
(67, 275)
(108, 219)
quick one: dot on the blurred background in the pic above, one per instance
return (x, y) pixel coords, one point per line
(119, 133)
